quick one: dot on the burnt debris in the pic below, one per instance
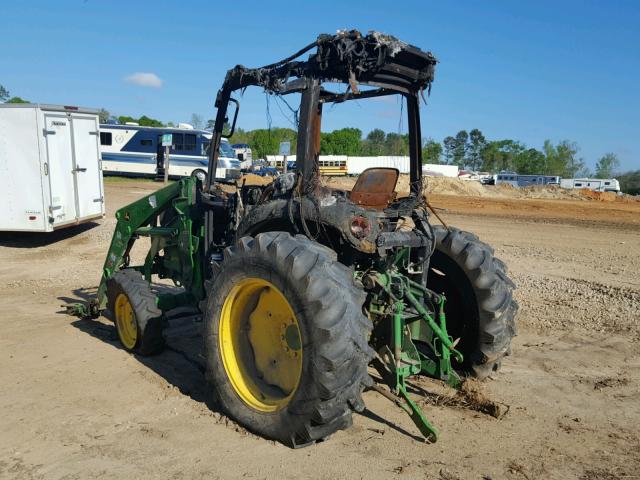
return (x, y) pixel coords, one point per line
(374, 59)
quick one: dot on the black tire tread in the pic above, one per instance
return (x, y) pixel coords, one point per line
(493, 291)
(143, 300)
(339, 331)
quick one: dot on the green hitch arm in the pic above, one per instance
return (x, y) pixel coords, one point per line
(398, 296)
(426, 429)
(400, 395)
(397, 342)
(439, 330)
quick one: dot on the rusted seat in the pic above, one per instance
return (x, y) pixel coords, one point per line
(375, 187)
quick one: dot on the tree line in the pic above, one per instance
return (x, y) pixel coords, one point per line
(472, 151)
(6, 97)
(468, 150)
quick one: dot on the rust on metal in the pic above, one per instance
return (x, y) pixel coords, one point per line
(375, 188)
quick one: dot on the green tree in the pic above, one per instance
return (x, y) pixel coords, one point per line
(4, 93)
(104, 115)
(630, 182)
(373, 145)
(239, 136)
(346, 141)
(449, 148)
(122, 119)
(460, 149)
(477, 143)
(196, 121)
(145, 121)
(210, 124)
(17, 100)
(562, 159)
(432, 151)
(265, 142)
(501, 155)
(529, 161)
(396, 144)
(607, 165)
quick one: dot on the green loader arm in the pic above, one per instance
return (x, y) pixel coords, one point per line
(133, 219)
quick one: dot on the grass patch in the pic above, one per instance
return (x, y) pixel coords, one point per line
(122, 179)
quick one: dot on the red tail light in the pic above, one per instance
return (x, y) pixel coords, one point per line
(360, 227)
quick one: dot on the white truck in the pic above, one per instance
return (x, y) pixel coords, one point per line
(50, 172)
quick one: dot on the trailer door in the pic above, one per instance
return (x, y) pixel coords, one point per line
(60, 166)
(87, 166)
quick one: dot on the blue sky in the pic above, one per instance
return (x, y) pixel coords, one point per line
(524, 70)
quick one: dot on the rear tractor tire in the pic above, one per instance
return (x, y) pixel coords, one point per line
(137, 318)
(286, 339)
(480, 308)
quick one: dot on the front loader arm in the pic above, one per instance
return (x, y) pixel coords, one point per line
(137, 215)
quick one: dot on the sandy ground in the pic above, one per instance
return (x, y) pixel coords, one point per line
(76, 406)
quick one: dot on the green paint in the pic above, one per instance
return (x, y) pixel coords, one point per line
(402, 358)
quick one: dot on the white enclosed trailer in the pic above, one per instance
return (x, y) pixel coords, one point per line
(50, 172)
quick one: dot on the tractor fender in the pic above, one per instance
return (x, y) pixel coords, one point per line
(332, 212)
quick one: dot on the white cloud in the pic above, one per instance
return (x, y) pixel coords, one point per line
(144, 79)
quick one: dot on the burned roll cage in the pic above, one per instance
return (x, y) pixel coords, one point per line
(349, 57)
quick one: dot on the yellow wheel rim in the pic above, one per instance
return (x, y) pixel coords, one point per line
(126, 321)
(260, 345)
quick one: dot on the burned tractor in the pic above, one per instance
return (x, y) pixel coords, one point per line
(304, 290)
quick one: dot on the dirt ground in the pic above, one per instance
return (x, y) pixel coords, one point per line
(76, 406)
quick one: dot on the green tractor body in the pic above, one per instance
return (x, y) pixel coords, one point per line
(303, 288)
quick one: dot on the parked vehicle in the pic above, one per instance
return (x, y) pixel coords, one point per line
(516, 180)
(262, 168)
(266, 171)
(597, 184)
(338, 165)
(134, 150)
(334, 165)
(50, 173)
(242, 151)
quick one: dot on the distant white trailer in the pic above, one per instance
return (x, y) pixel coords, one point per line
(50, 171)
(342, 164)
(597, 184)
(356, 165)
(516, 180)
(437, 170)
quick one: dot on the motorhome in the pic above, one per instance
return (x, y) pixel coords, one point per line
(516, 180)
(597, 184)
(134, 150)
(243, 152)
(49, 167)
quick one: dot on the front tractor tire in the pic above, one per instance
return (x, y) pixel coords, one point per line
(480, 308)
(286, 339)
(137, 318)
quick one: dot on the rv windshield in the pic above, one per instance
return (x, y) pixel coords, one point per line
(225, 150)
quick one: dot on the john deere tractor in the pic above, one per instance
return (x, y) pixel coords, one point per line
(309, 295)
